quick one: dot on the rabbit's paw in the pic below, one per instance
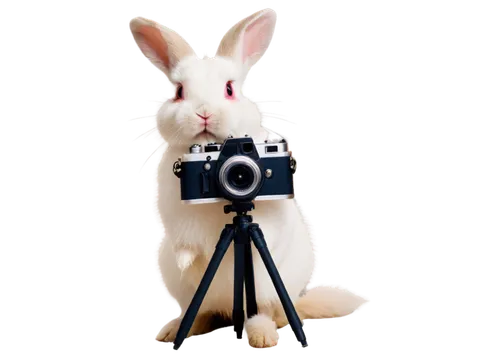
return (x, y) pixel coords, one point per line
(185, 258)
(261, 332)
(169, 331)
(204, 322)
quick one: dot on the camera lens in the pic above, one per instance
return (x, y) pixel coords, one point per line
(240, 176)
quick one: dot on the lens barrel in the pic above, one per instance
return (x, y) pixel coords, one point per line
(240, 176)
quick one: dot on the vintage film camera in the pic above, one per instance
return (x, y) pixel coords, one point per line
(236, 170)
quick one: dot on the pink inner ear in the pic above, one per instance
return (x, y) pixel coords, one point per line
(152, 42)
(257, 37)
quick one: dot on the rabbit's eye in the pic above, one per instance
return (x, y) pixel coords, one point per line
(229, 90)
(179, 92)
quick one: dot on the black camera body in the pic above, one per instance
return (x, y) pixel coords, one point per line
(237, 170)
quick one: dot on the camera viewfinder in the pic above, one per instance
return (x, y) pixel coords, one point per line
(247, 148)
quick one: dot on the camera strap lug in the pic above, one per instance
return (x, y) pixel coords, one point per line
(293, 164)
(177, 168)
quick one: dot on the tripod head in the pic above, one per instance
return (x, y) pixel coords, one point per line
(240, 208)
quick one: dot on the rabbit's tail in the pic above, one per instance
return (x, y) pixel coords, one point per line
(327, 302)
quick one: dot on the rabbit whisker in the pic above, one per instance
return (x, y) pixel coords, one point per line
(156, 101)
(268, 100)
(156, 149)
(150, 156)
(171, 138)
(145, 134)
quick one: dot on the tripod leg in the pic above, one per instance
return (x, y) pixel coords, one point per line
(221, 248)
(294, 320)
(250, 282)
(239, 273)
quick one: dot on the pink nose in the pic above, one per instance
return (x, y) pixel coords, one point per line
(205, 117)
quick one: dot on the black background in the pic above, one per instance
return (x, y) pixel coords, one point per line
(337, 69)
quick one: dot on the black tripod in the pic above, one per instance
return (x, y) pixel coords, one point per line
(241, 231)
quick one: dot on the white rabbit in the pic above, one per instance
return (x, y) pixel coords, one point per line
(208, 106)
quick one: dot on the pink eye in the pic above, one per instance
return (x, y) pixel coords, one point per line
(229, 90)
(179, 94)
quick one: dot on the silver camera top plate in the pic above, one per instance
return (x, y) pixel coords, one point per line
(265, 150)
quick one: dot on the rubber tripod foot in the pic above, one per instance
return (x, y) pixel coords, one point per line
(176, 346)
(304, 344)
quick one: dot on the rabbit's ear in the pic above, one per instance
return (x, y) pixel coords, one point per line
(164, 47)
(248, 39)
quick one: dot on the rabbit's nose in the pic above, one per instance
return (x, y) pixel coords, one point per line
(205, 115)
(203, 111)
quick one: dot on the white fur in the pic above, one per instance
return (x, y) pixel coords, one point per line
(261, 331)
(192, 231)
